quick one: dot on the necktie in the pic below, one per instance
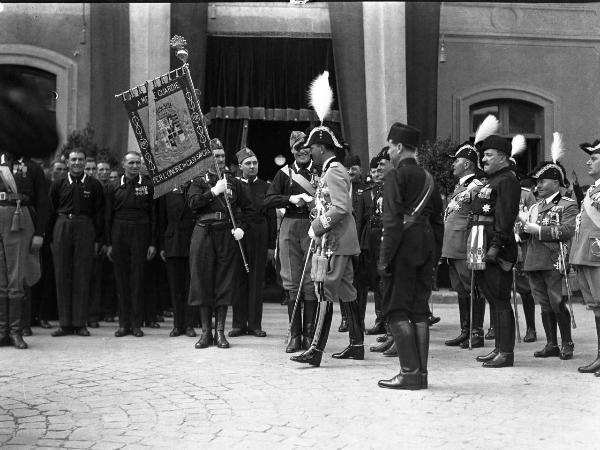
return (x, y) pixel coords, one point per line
(76, 196)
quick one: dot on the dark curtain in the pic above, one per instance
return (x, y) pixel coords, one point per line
(190, 21)
(265, 78)
(348, 50)
(422, 43)
(229, 132)
(109, 43)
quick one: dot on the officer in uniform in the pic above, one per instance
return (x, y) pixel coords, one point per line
(176, 224)
(132, 238)
(24, 213)
(492, 250)
(549, 225)
(585, 247)
(259, 242)
(465, 168)
(334, 232)
(293, 188)
(78, 201)
(411, 243)
(214, 251)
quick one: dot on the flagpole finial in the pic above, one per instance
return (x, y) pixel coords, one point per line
(179, 43)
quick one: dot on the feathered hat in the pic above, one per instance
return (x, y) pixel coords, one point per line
(553, 170)
(320, 97)
(592, 148)
(517, 146)
(467, 151)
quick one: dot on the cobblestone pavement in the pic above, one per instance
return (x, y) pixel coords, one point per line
(159, 392)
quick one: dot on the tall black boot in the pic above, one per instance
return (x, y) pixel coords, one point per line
(564, 325)
(15, 310)
(529, 313)
(314, 354)
(355, 349)
(477, 338)
(220, 335)
(464, 315)
(295, 343)
(206, 337)
(409, 377)
(4, 322)
(594, 366)
(344, 323)
(505, 340)
(422, 338)
(308, 323)
(551, 348)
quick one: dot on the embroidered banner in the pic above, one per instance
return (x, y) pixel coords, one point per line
(169, 129)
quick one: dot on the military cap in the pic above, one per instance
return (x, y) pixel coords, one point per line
(384, 154)
(243, 154)
(215, 144)
(404, 134)
(467, 151)
(296, 138)
(323, 135)
(548, 170)
(374, 162)
(592, 148)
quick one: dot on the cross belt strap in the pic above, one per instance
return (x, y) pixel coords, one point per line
(300, 180)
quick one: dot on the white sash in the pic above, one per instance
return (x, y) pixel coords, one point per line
(592, 212)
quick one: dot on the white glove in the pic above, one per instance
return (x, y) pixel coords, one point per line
(532, 228)
(517, 238)
(311, 233)
(307, 198)
(297, 200)
(237, 233)
(220, 187)
(523, 216)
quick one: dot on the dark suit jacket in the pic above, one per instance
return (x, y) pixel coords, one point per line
(176, 224)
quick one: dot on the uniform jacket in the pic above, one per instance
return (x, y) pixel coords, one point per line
(132, 200)
(358, 189)
(368, 213)
(557, 221)
(525, 203)
(201, 200)
(176, 224)
(334, 192)
(283, 186)
(456, 218)
(401, 188)
(499, 198)
(585, 246)
(257, 191)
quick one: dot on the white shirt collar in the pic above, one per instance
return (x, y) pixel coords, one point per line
(463, 179)
(310, 164)
(71, 180)
(549, 199)
(139, 180)
(327, 162)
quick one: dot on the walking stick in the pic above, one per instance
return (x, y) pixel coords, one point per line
(177, 42)
(471, 310)
(308, 256)
(514, 298)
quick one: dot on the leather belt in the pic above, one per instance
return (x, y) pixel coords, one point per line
(415, 219)
(482, 220)
(11, 196)
(218, 215)
(72, 216)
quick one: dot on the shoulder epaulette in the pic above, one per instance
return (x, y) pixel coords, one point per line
(334, 164)
(569, 199)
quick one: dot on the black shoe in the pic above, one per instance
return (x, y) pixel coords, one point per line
(462, 337)
(343, 325)
(16, 339)
(381, 338)
(257, 333)
(122, 332)
(137, 332)
(93, 324)
(530, 336)
(501, 360)
(433, 320)
(378, 328)
(206, 339)
(592, 367)
(159, 318)
(109, 319)
(566, 351)
(45, 324)
(221, 339)
(60, 332)
(175, 332)
(295, 344)
(485, 358)
(167, 313)
(549, 350)
(190, 332)
(311, 356)
(351, 352)
(152, 324)
(405, 381)
(476, 340)
(236, 332)
(392, 351)
(383, 346)
(490, 335)
(82, 331)
(26, 331)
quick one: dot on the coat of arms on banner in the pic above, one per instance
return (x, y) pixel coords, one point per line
(170, 131)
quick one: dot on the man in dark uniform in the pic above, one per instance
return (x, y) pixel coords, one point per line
(456, 218)
(293, 188)
(548, 227)
(131, 239)
(24, 213)
(492, 250)
(78, 202)
(215, 265)
(259, 242)
(334, 233)
(176, 224)
(411, 243)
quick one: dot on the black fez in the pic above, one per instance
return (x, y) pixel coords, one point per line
(404, 134)
(592, 148)
(495, 142)
(374, 162)
(548, 170)
(352, 160)
(468, 151)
